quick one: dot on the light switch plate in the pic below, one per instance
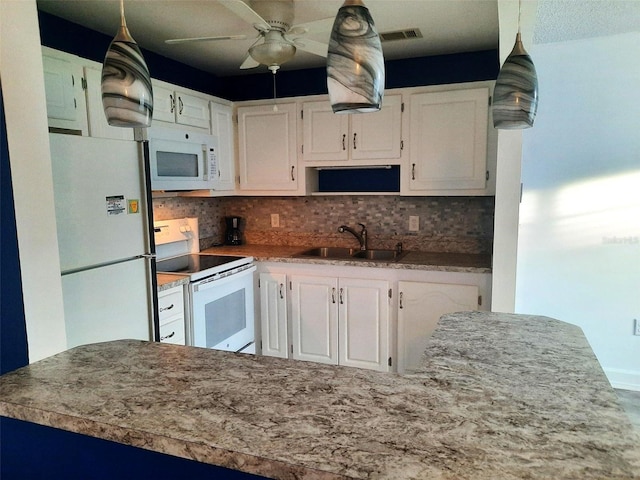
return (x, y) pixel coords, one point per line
(414, 223)
(275, 220)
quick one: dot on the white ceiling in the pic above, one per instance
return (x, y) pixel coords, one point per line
(447, 26)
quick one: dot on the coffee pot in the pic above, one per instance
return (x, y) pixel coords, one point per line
(233, 235)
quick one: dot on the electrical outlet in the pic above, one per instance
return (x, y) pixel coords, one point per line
(275, 220)
(636, 330)
(414, 223)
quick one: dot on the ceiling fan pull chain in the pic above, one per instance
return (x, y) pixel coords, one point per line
(275, 105)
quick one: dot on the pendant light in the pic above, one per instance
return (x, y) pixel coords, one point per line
(127, 96)
(515, 96)
(355, 64)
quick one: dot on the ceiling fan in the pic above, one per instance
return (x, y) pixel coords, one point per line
(278, 40)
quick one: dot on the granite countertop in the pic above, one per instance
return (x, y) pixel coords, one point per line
(170, 280)
(433, 261)
(497, 396)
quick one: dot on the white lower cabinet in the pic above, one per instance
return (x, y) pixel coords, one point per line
(339, 321)
(373, 318)
(172, 318)
(273, 314)
(420, 306)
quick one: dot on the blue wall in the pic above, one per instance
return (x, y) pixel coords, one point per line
(436, 70)
(13, 334)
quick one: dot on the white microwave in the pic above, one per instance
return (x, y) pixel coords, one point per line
(182, 160)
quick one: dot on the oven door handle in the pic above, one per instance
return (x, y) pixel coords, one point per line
(205, 284)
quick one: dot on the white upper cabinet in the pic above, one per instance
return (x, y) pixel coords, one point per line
(222, 128)
(448, 142)
(98, 125)
(359, 137)
(66, 108)
(267, 159)
(176, 106)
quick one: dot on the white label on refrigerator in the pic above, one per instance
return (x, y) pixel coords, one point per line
(116, 205)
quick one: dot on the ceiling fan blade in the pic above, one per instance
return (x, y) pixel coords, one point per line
(205, 39)
(317, 26)
(245, 12)
(249, 62)
(311, 46)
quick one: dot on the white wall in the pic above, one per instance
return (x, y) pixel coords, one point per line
(579, 239)
(27, 135)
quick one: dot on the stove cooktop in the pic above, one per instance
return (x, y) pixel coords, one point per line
(200, 265)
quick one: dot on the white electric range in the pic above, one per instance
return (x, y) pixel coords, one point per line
(220, 293)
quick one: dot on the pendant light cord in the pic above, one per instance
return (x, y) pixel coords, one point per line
(519, 13)
(123, 23)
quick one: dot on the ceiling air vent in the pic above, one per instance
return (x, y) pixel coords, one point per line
(407, 34)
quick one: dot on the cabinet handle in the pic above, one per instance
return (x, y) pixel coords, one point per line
(341, 297)
(333, 295)
(167, 308)
(344, 138)
(400, 299)
(354, 141)
(173, 102)
(181, 105)
(167, 336)
(281, 294)
(413, 171)
(293, 178)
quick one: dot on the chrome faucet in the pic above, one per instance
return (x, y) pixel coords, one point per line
(362, 236)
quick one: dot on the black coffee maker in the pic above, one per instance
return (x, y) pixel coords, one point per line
(233, 236)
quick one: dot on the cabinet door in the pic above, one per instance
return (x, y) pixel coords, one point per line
(267, 148)
(164, 103)
(314, 318)
(378, 135)
(325, 134)
(448, 140)
(65, 99)
(98, 125)
(193, 111)
(222, 127)
(273, 314)
(364, 323)
(420, 306)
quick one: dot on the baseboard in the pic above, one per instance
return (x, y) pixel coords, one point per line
(623, 379)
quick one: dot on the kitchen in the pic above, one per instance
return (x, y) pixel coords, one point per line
(333, 226)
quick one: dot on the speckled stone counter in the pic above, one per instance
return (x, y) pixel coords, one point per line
(497, 397)
(432, 261)
(167, 281)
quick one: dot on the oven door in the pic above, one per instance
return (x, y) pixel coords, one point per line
(222, 312)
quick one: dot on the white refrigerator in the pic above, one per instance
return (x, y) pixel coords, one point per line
(103, 218)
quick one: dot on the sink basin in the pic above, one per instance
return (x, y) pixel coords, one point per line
(329, 252)
(374, 254)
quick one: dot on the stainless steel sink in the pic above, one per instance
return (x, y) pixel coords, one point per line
(375, 254)
(354, 253)
(329, 252)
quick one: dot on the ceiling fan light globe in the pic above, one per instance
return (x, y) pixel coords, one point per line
(272, 53)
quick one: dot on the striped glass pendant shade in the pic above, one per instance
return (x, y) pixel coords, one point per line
(515, 96)
(127, 96)
(355, 64)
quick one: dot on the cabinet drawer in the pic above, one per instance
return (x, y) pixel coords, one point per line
(171, 304)
(173, 332)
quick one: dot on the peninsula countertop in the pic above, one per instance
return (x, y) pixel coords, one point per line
(497, 396)
(413, 260)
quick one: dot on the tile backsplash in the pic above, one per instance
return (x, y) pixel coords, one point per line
(447, 224)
